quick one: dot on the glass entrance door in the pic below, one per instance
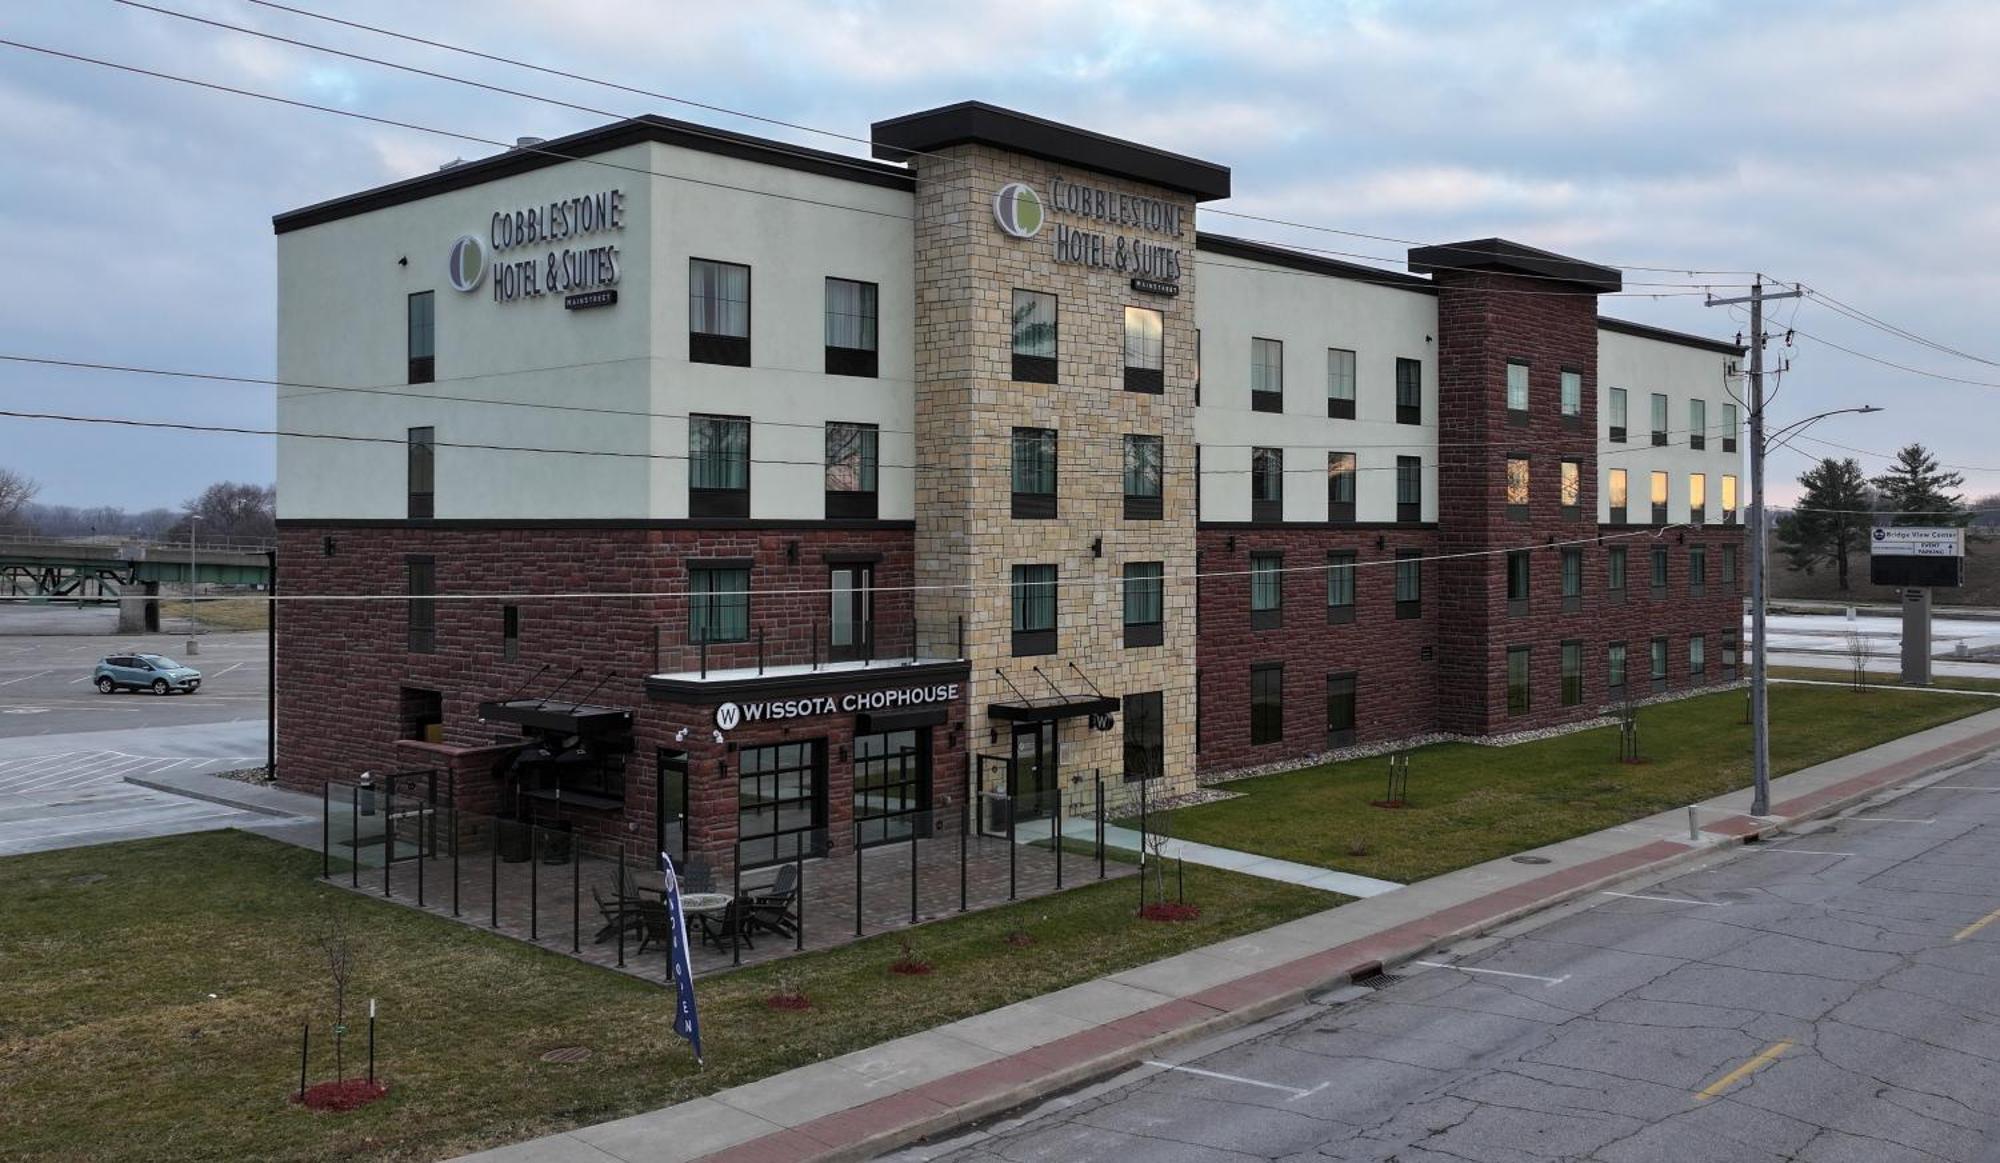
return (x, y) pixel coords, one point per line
(670, 800)
(851, 622)
(1036, 766)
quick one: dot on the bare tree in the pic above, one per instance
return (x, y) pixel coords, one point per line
(337, 948)
(1860, 651)
(16, 490)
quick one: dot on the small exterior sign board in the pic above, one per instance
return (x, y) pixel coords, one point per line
(1913, 541)
(1915, 557)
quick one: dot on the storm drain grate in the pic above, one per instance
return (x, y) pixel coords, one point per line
(1375, 980)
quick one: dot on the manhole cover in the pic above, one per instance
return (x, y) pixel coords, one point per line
(567, 1055)
(1531, 860)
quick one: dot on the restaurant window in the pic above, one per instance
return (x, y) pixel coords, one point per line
(1340, 586)
(718, 603)
(1697, 656)
(1519, 570)
(1267, 485)
(1572, 674)
(1697, 570)
(1572, 578)
(851, 328)
(1572, 396)
(852, 465)
(1616, 408)
(1034, 328)
(1516, 491)
(422, 338)
(1728, 499)
(1409, 583)
(1729, 426)
(1340, 474)
(1409, 489)
(1659, 579)
(421, 471)
(420, 576)
(1267, 375)
(1517, 389)
(1145, 602)
(1267, 703)
(892, 792)
(510, 632)
(1658, 653)
(781, 802)
(1614, 572)
(1659, 420)
(1614, 494)
(1570, 492)
(1267, 590)
(1697, 497)
(1034, 476)
(1340, 383)
(1614, 670)
(1145, 735)
(718, 312)
(1409, 391)
(1659, 497)
(1340, 708)
(1697, 424)
(718, 466)
(1145, 350)
(1034, 596)
(1519, 699)
(1143, 496)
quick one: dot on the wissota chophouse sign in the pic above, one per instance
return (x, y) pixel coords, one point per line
(1152, 266)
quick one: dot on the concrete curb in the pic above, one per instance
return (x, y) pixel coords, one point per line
(198, 792)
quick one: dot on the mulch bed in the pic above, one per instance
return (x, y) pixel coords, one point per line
(1170, 912)
(344, 1095)
(788, 1001)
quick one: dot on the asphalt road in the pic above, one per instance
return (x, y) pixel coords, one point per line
(1825, 997)
(45, 683)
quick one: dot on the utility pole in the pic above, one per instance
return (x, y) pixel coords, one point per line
(1760, 720)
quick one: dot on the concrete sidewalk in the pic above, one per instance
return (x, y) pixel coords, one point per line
(872, 1100)
(1247, 863)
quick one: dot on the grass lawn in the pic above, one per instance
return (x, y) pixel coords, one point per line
(155, 990)
(1471, 803)
(1946, 682)
(225, 614)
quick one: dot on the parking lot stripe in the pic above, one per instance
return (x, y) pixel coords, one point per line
(23, 678)
(1494, 972)
(1977, 925)
(1294, 1091)
(1672, 900)
(1763, 1058)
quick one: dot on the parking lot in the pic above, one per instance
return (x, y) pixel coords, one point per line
(45, 680)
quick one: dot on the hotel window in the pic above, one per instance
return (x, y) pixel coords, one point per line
(1617, 417)
(851, 328)
(718, 466)
(1409, 489)
(1659, 571)
(1409, 391)
(1571, 491)
(1729, 423)
(1658, 654)
(1697, 570)
(1267, 375)
(1729, 566)
(1267, 485)
(1697, 656)
(1572, 674)
(1659, 497)
(718, 312)
(718, 603)
(781, 802)
(1572, 578)
(421, 578)
(1143, 500)
(1340, 383)
(1615, 494)
(423, 337)
(1034, 593)
(1519, 569)
(1034, 323)
(1614, 572)
(1267, 590)
(1340, 475)
(851, 467)
(510, 632)
(1145, 735)
(1340, 717)
(1614, 670)
(1518, 698)
(1697, 497)
(1267, 703)
(1340, 586)
(1409, 583)
(1697, 424)
(1517, 390)
(1572, 396)
(1728, 499)
(1517, 488)
(422, 473)
(1034, 472)
(1659, 419)
(1145, 350)
(1145, 602)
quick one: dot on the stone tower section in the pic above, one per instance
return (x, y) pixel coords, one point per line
(1113, 227)
(1501, 303)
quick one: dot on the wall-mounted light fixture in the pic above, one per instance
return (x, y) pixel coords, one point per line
(404, 261)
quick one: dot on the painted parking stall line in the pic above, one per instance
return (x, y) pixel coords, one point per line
(1494, 972)
(1672, 900)
(1296, 1092)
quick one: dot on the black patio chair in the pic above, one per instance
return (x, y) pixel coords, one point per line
(697, 876)
(732, 922)
(617, 913)
(776, 908)
(656, 925)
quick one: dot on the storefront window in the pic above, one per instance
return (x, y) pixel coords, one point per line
(781, 802)
(892, 792)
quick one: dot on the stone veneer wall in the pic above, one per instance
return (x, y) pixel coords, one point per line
(967, 405)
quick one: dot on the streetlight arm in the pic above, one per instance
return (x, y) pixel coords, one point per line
(1773, 439)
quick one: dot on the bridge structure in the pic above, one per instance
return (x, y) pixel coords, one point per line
(128, 571)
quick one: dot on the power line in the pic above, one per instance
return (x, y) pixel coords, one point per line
(1860, 316)
(1888, 363)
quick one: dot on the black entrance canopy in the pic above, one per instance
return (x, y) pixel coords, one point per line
(565, 718)
(1052, 709)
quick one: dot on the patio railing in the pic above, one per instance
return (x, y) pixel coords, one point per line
(815, 644)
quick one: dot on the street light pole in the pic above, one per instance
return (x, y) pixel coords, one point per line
(192, 646)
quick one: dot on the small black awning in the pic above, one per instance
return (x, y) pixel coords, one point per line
(554, 715)
(1053, 708)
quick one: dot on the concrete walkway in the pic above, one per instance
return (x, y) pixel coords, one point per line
(872, 1100)
(1247, 863)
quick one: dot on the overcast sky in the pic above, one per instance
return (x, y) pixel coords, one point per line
(1847, 145)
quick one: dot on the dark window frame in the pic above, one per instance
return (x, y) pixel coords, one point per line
(1409, 484)
(710, 501)
(1341, 407)
(1617, 569)
(1621, 412)
(1410, 569)
(844, 360)
(420, 582)
(1267, 703)
(1266, 399)
(1658, 416)
(1138, 377)
(1343, 708)
(1341, 512)
(717, 347)
(1267, 473)
(1617, 669)
(420, 469)
(1570, 687)
(1409, 390)
(713, 597)
(1034, 639)
(1660, 574)
(1520, 582)
(1618, 512)
(510, 632)
(1519, 416)
(1570, 567)
(1569, 471)
(1272, 616)
(1571, 419)
(864, 500)
(1659, 663)
(1517, 504)
(1036, 503)
(1145, 716)
(1521, 689)
(1031, 368)
(420, 337)
(1145, 506)
(1340, 583)
(786, 844)
(1144, 632)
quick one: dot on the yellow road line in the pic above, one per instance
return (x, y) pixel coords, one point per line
(1765, 1057)
(1977, 925)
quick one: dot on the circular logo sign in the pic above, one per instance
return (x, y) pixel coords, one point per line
(467, 264)
(1881, 535)
(727, 716)
(1018, 209)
